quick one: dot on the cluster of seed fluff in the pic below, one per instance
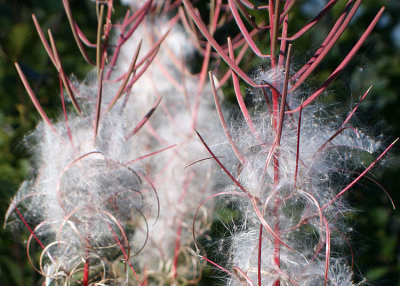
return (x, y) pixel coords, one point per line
(297, 206)
(83, 197)
(181, 187)
(101, 198)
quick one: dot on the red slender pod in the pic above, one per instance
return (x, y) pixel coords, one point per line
(44, 41)
(356, 107)
(223, 122)
(327, 39)
(328, 43)
(75, 32)
(126, 77)
(239, 96)
(244, 31)
(360, 176)
(62, 74)
(144, 119)
(33, 97)
(314, 21)
(298, 146)
(343, 64)
(65, 112)
(98, 104)
(200, 24)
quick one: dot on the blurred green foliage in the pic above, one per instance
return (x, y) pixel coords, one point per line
(376, 245)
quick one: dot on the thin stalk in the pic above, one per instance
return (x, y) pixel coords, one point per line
(98, 104)
(298, 146)
(276, 159)
(283, 41)
(259, 255)
(284, 95)
(98, 41)
(274, 38)
(178, 235)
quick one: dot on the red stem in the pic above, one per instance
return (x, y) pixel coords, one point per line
(260, 255)
(176, 253)
(85, 279)
(277, 251)
(275, 104)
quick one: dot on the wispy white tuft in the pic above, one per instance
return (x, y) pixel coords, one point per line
(184, 107)
(94, 202)
(299, 208)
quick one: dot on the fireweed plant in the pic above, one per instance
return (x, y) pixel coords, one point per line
(111, 202)
(287, 187)
(125, 181)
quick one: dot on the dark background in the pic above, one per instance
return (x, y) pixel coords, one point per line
(376, 243)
